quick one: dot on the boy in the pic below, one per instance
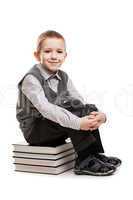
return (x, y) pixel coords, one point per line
(50, 110)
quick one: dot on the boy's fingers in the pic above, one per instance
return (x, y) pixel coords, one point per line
(93, 124)
(94, 113)
(93, 120)
(94, 128)
(91, 116)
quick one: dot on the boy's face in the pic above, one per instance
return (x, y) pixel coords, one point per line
(52, 54)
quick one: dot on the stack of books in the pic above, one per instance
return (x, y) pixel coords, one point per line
(40, 159)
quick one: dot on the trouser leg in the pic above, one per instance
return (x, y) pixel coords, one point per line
(48, 133)
(86, 140)
(89, 141)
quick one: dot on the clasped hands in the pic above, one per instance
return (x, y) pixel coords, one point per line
(92, 121)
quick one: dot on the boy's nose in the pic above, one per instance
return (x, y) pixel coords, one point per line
(53, 55)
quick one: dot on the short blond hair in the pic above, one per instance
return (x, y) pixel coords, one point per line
(47, 34)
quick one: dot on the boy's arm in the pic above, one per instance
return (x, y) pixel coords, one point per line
(74, 92)
(33, 90)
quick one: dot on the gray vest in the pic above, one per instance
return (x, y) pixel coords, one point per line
(26, 113)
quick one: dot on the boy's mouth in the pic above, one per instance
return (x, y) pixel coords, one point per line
(53, 62)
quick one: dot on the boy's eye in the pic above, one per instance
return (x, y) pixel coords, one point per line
(47, 51)
(60, 51)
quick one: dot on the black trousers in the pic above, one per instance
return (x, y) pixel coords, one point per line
(49, 133)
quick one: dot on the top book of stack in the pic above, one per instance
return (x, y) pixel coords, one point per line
(26, 148)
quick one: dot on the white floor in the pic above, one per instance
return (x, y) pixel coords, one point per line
(67, 185)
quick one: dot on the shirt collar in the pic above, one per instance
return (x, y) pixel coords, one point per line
(46, 74)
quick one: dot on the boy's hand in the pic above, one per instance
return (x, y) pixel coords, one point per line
(88, 122)
(99, 116)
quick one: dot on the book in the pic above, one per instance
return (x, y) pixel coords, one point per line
(43, 159)
(44, 162)
(42, 156)
(43, 169)
(25, 147)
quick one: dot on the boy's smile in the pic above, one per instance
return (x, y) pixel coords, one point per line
(52, 54)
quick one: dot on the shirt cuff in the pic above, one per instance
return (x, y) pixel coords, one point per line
(76, 124)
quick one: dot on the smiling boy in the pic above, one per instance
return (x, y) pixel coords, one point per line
(50, 109)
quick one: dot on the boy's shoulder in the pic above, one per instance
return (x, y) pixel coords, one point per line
(33, 71)
(63, 74)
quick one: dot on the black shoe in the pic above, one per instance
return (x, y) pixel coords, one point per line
(110, 160)
(93, 166)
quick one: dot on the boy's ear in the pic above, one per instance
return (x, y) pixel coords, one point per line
(66, 55)
(37, 56)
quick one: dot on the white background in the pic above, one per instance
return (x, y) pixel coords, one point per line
(99, 37)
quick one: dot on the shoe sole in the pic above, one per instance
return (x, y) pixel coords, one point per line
(84, 172)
